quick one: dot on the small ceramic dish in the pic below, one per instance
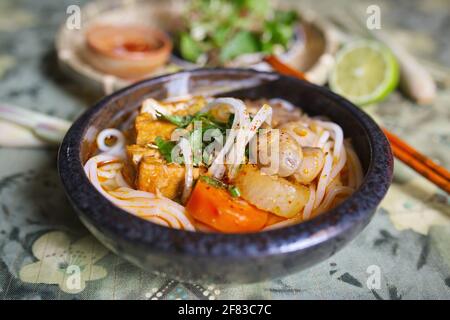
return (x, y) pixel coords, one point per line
(127, 51)
(215, 257)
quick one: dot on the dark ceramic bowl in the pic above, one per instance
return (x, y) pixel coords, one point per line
(215, 257)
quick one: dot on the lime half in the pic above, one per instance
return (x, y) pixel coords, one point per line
(365, 72)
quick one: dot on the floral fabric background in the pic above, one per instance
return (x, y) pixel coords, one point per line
(408, 240)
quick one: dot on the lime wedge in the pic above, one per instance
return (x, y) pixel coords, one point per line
(365, 72)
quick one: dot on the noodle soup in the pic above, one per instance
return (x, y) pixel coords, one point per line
(225, 165)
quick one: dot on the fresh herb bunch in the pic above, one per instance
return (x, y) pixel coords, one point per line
(218, 31)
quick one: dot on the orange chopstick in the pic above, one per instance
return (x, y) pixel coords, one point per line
(283, 68)
(402, 151)
(417, 155)
(421, 168)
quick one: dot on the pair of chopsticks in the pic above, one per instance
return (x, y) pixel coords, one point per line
(401, 150)
(419, 162)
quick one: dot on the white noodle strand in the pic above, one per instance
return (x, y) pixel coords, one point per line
(337, 134)
(340, 163)
(323, 180)
(356, 166)
(140, 203)
(241, 121)
(329, 198)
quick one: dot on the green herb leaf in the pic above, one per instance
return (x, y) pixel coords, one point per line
(179, 121)
(189, 48)
(165, 147)
(260, 7)
(220, 35)
(277, 33)
(209, 122)
(243, 42)
(286, 17)
(220, 28)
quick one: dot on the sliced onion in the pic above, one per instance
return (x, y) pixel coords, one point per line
(263, 115)
(337, 134)
(241, 119)
(271, 193)
(323, 180)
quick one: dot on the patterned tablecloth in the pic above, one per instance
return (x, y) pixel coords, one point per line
(408, 241)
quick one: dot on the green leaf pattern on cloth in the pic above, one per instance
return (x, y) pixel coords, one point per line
(417, 205)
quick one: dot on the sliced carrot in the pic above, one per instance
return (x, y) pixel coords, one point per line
(216, 208)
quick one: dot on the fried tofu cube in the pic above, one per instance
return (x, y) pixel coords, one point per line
(155, 174)
(147, 125)
(147, 129)
(136, 152)
(129, 174)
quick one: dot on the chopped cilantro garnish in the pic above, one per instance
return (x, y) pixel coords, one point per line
(179, 121)
(233, 190)
(213, 182)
